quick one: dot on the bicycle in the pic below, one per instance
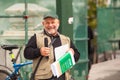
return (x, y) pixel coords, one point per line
(14, 74)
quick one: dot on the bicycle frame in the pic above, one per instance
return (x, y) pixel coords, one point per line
(14, 75)
(16, 69)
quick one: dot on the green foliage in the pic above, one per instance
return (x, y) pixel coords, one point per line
(92, 13)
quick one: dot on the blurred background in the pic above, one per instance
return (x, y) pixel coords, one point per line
(20, 19)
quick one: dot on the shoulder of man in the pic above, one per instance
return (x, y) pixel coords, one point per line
(64, 37)
(39, 33)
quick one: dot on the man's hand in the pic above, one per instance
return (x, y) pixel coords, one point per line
(71, 50)
(45, 51)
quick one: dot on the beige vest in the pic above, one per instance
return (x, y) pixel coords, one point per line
(44, 69)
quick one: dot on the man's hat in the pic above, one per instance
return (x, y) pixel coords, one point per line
(50, 15)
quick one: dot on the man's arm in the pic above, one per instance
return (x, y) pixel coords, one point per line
(76, 53)
(31, 51)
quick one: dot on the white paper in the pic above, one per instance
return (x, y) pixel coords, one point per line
(60, 51)
(56, 69)
(53, 67)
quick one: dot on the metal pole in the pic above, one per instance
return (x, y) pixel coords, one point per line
(24, 73)
(26, 20)
(19, 16)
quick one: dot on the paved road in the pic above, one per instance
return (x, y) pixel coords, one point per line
(108, 70)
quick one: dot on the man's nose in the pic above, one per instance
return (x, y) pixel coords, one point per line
(51, 25)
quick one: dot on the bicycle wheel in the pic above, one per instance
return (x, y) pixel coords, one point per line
(3, 74)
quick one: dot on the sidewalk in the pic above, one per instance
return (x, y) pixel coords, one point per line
(108, 70)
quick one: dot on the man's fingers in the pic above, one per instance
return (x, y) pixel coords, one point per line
(45, 51)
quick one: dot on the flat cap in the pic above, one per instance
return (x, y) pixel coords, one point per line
(50, 15)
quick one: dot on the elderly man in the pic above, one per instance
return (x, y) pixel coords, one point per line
(38, 46)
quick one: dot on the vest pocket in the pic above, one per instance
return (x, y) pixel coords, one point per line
(44, 72)
(44, 69)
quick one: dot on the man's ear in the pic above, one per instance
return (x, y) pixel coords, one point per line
(58, 23)
(42, 23)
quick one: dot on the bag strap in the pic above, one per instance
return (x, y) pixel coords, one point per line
(34, 72)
